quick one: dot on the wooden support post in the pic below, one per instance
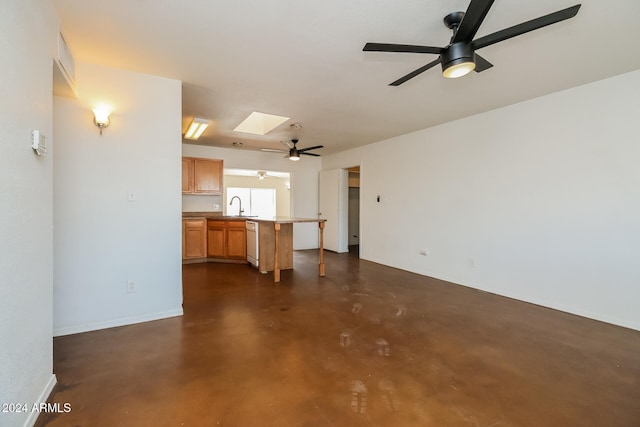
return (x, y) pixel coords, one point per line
(276, 266)
(321, 226)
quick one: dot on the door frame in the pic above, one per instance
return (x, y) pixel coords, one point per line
(342, 194)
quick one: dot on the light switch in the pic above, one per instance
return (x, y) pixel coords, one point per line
(38, 142)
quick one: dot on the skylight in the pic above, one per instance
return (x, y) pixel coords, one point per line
(260, 123)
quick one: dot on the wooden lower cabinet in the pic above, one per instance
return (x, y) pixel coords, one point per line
(237, 240)
(227, 239)
(216, 239)
(209, 239)
(194, 238)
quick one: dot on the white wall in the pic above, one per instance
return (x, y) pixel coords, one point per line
(304, 182)
(102, 239)
(28, 34)
(538, 201)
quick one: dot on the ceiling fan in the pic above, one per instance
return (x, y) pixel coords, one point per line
(295, 152)
(458, 58)
(264, 174)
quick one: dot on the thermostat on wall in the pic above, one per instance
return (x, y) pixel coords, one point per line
(38, 142)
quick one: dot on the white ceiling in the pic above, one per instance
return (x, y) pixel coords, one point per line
(304, 60)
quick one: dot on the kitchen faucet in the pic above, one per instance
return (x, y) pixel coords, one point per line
(240, 211)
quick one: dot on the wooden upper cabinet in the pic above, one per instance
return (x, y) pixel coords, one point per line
(187, 175)
(202, 176)
(207, 176)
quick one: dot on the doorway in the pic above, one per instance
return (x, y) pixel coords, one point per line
(339, 202)
(354, 210)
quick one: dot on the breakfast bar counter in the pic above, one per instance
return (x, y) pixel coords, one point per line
(276, 243)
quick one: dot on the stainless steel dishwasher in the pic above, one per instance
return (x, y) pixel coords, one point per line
(252, 243)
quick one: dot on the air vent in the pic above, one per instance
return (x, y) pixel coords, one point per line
(65, 59)
(64, 71)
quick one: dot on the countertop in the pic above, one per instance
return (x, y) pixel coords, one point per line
(215, 215)
(275, 219)
(286, 219)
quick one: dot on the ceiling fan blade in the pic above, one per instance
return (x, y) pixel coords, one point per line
(407, 48)
(310, 154)
(287, 144)
(271, 150)
(473, 17)
(525, 27)
(482, 64)
(415, 73)
(310, 148)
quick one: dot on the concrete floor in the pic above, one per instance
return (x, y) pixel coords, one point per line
(366, 345)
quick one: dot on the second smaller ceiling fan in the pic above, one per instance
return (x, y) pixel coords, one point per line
(264, 174)
(295, 152)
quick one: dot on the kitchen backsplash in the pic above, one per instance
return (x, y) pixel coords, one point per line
(197, 203)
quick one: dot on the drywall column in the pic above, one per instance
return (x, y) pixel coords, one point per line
(117, 202)
(28, 32)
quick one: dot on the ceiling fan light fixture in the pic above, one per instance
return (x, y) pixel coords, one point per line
(457, 60)
(294, 155)
(458, 70)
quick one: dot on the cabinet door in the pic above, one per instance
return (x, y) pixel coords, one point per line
(207, 176)
(237, 240)
(216, 239)
(187, 175)
(194, 238)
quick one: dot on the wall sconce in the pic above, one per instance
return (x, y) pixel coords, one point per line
(101, 118)
(196, 128)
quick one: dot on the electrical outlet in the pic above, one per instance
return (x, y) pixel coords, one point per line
(131, 287)
(216, 207)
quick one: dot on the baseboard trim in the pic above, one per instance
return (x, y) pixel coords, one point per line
(88, 327)
(576, 311)
(44, 396)
(530, 299)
